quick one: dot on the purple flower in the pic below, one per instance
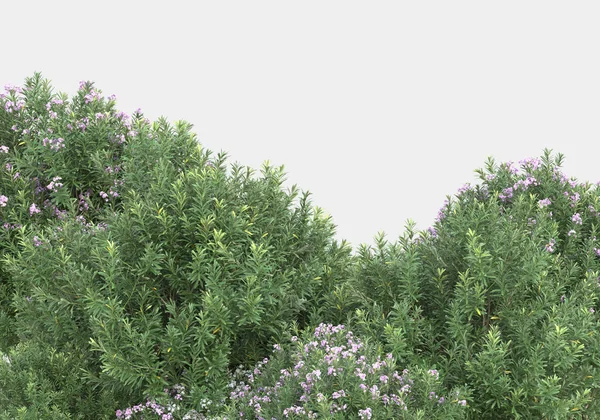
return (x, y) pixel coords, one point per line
(466, 187)
(575, 197)
(367, 413)
(92, 96)
(11, 88)
(434, 373)
(507, 193)
(33, 209)
(545, 202)
(36, 241)
(432, 231)
(534, 163)
(55, 144)
(55, 185)
(338, 394)
(510, 168)
(577, 218)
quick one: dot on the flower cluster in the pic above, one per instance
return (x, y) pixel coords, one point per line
(160, 411)
(310, 384)
(55, 144)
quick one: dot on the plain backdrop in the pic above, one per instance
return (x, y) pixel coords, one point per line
(379, 108)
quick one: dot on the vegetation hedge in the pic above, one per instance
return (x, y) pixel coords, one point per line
(141, 277)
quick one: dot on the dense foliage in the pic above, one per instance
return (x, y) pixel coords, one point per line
(140, 276)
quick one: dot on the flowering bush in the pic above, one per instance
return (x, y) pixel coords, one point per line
(58, 159)
(333, 374)
(133, 262)
(501, 293)
(194, 271)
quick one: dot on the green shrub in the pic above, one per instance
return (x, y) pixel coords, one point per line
(57, 157)
(134, 262)
(39, 382)
(195, 271)
(500, 294)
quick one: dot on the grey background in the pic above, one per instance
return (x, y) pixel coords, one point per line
(379, 108)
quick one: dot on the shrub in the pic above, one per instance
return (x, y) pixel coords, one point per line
(333, 374)
(501, 293)
(57, 157)
(134, 262)
(195, 271)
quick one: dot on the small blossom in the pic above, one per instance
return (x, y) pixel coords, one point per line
(33, 209)
(11, 88)
(534, 163)
(53, 186)
(466, 187)
(432, 231)
(510, 168)
(367, 413)
(338, 394)
(545, 202)
(434, 373)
